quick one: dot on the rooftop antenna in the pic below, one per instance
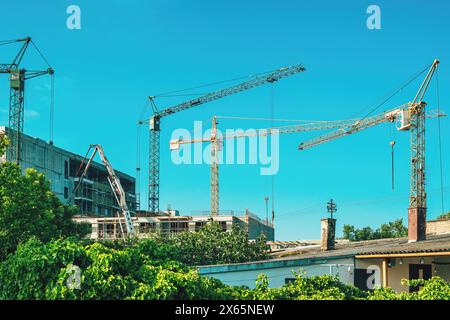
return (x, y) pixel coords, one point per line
(331, 207)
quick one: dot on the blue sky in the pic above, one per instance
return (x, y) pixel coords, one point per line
(127, 50)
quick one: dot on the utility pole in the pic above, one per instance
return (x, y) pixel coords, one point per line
(331, 207)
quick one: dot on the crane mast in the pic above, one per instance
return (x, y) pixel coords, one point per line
(412, 117)
(215, 148)
(18, 77)
(114, 181)
(155, 121)
(417, 210)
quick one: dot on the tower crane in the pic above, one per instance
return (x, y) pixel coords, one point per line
(114, 181)
(217, 140)
(18, 76)
(410, 116)
(155, 121)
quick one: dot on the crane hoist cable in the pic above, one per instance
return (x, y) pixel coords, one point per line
(52, 91)
(138, 166)
(52, 106)
(440, 142)
(272, 115)
(392, 143)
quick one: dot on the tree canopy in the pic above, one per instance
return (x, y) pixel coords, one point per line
(394, 229)
(67, 269)
(211, 245)
(29, 208)
(444, 216)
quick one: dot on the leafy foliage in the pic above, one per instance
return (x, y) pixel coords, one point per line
(435, 288)
(39, 270)
(4, 142)
(444, 216)
(394, 229)
(324, 287)
(34, 221)
(29, 208)
(211, 245)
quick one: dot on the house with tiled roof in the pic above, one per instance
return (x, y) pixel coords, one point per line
(364, 264)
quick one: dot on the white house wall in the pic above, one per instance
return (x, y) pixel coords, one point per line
(342, 268)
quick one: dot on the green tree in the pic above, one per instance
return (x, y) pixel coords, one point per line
(212, 245)
(4, 142)
(29, 208)
(394, 229)
(39, 270)
(444, 216)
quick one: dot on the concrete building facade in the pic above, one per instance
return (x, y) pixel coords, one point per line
(97, 204)
(94, 196)
(169, 223)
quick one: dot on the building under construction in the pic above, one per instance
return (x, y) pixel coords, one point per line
(169, 223)
(98, 205)
(94, 197)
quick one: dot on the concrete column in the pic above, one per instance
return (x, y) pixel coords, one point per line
(328, 233)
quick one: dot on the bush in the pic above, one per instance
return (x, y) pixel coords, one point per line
(40, 271)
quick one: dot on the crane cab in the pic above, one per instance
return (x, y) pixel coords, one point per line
(403, 120)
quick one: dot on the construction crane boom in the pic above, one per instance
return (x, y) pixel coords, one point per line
(399, 114)
(303, 127)
(412, 117)
(216, 139)
(155, 121)
(254, 82)
(114, 181)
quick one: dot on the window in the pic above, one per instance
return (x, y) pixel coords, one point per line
(223, 224)
(146, 227)
(289, 280)
(66, 192)
(199, 225)
(66, 169)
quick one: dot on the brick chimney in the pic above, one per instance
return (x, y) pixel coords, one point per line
(417, 224)
(328, 233)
